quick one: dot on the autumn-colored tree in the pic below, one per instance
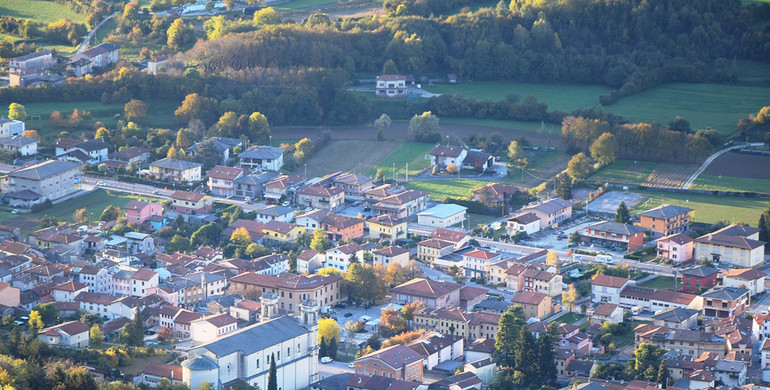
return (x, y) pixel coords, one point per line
(579, 167)
(81, 216)
(195, 106)
(552, 258)
(171, 152)
(17, 112)
(135, 110)
(403, 338)
(394, 274)
(35, 320)
(95, 335)
(31, 134)
(569, 297)
(103, 133)
(165, 334)
(180, 34)
(328, 329)
(266, 16)
(451, 168)
(241, 236)
(605, 149)
(392, 322)
(303, 150)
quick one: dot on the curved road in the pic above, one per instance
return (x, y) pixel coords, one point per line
(91, 34)
(709, 160)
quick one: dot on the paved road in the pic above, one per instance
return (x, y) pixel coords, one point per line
(709, 160)
(91, 34)
(147, 190)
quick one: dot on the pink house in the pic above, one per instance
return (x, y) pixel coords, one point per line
(137, 211)
(676, 247)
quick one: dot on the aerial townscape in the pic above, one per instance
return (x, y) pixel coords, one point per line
(384, 194)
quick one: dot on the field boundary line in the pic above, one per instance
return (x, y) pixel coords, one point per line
(711, 159)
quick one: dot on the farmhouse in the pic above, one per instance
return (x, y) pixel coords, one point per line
(391, 85)
(444, 156)
(443, 215)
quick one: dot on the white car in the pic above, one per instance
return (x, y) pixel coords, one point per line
(285, 204)
(15, 211)
(326, 359)
(352, 365)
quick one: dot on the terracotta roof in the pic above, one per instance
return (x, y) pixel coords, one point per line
(386, 220)
(426, 288)
(186, 317)
(529, 297)
(224, 173)
(164, 371)
(320, 191)
(480, 254)
(453, 236)
(144, 274)
(435, 243)
(348, 248)
(391, 251)
(279, 227)
(70, 328)
(188, 196)
(678, 238)
(71, 286)
(609, 281)
(605, 309)
(296, 282)
(99, 299)
(658, 295)
(524, 218)
(219, 320)
(396, 356)
(249, 305)
(744, 273)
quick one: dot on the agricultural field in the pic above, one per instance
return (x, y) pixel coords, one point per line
(670, 175)
(707, 208)
(719, 106)
(624, 172)
(736, 172)
(39, 11)
(409, 152)
(299, 4)
(561, 97)
(730, 183)
(347, 155)
(445, 188)
(534, 127)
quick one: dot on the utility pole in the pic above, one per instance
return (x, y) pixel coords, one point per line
(394, 171)
(407, 172)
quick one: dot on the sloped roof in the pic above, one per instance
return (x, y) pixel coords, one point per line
(255, 337)
(426, 288)
(609, 281)
(446, 151)
(665, 212)
(174, 164)
(44, 169)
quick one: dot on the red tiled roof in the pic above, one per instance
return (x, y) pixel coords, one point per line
(609, 281)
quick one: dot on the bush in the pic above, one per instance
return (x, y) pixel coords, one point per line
(37, 207)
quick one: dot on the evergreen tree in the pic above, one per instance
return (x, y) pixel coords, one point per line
(331, 350)
(564, 187)
(663, 375)
(622, 215)
(322, 347)
(547, 365)
(764, 230)
(527, 356)
(272, 380)
(508, 329)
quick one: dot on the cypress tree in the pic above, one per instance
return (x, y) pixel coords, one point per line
(663, 375)
(322, 347)
(331, 350)
(547, 366)
(764, 233)
(272, 380)
(507, 333)
(527, 356)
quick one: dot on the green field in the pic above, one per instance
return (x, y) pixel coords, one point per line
(708, 208)
(550, 128)
(660, 283)
(60, 49)
(731, 183)
(442, 189)
(160, 114)
(297, 4)
(409, 152)
(569, 318)
(624, 172)
(104, 31)
(562, 97)
(705, 105)
(39, 10)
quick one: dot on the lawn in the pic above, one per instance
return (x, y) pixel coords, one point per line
(297, 4)
(479, 219)
(60, 49)
(39, 11)
(445, 188)
(409, 152)
(136, 365)
(731, 183)
(624, 172)
(160, 114)
(569, 318)
(562, 97)
(705, 105)
(104, 31)
(550, 128)
(708, 208)
(660, 282)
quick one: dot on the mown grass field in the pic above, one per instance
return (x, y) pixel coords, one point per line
(550, 128)
(731, 183)
(708, 208)
(298, 4)
(660, 283)
(624, 172)
(39, 11)
(60, 49)
(719, 106)
(409, 152)
(445, 188)
(346, 155)
(562, 97)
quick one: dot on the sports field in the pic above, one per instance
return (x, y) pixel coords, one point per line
(708, 208)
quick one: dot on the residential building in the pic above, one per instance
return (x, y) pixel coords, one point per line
(290, 290)
(10, 296)
(748, 278)
(398, 361)
(353, 184)
(653, 300)
(66, 292)
(402, 205)
(688, 342)
(179, 171)
(97, 278)
(430, 292)
(221, 180)
(676, 318)
(551, 212)
(386, 227)
(11, 127)
(137, 211)
(457, 237)
(732, 246)
(70, 334)
(210, 328)
(607, 312)
(724, 302)
(275, 213)
(391, 85)
(528, 223)
(494, 193)
(391, 254)
(253, 185)
(222, 146)
(614, 234)
(309, 261)
(666, 220)
(476, 263)
(153, 373)
(605, 288)
(18, 145)
(29, 67)
(281, 231)
(92, 151)
(47, 180)
(696, 278)
(478, 160)
(261, 158)
(99, 56)
(731, 373)
(433, 248)
(677, 248)
(443, 215)
(136, 155)
(246, 353)
(536, 279)
(279, 187)
(190, 289)
(340, 256)
(444, 156)
(320, 197)
(142, 280)
(535, 305)
(191, 202)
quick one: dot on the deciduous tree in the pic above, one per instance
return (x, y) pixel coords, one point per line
(424, 127)
(135, 110)
(579, 167)
(17, 112)
(95, 335)
(328, 329)
(569, 297)
(81, 216)
(605, 149)
(180, 35)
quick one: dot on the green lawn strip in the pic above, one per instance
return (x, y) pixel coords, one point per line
(708, 208)
(479, 219)
(731, 183)
(136, 365)
(660, 283)
(297, 4)
(441, 189)
(561, 97)
(409, 152)
(569, 318)
(39, 11)
(550, 128)
(104, 31)
(624, 172)
(704, 105)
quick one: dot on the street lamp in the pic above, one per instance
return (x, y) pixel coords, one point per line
(305, 171)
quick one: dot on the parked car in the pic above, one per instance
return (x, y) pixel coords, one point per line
(285, 204)
(156, 192)
(15, 211)
(326, 359)
(352, 365)
(348, 315)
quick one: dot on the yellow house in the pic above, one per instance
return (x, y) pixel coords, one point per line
(387, 227)
(281, 231)
(452, 321)
(535, 304)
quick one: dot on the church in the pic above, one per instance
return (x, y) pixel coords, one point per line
(245, 354)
